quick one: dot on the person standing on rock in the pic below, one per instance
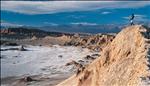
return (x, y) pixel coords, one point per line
(131, 19)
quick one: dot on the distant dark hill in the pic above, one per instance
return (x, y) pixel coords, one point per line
(93, 29)
(74, 28)
(79, 28)
(22, 32)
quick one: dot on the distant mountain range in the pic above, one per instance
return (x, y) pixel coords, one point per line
(22, 32)
(93, 29)
(78, 28)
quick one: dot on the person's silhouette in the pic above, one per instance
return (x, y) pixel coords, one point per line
(131, 19)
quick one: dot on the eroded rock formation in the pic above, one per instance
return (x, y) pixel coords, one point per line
(124, 62)
(94, 42)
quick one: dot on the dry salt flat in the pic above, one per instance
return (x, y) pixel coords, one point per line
(39, 60)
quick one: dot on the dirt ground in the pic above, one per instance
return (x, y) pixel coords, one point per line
(38, 80)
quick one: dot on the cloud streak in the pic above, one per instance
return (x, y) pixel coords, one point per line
(84, 23)
(49, 7)
(7, 24)
(138, 17)
(49, 23)
(105, 12)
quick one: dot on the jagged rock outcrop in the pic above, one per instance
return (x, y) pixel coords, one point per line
(124, 62)
(93, 42)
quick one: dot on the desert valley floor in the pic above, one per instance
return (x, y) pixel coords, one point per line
(39, 61)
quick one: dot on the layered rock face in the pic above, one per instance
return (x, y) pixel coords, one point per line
(124, 62)
(94, 42)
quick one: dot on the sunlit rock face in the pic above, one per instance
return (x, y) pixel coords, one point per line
(124, 62)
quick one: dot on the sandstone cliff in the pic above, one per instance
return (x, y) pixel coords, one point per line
(124, 62)
(94, 42)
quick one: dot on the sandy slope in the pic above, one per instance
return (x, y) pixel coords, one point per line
(125, 62)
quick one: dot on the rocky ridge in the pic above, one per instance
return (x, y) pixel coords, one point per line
(124, 62)
(23, 36)
(94, 42)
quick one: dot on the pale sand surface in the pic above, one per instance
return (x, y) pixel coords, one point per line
(46, 64)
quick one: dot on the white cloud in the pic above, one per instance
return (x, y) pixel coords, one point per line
(138, 17)
(141, 16)
(47, 7)
(127, 17)
(49, 23)
(83, 23)
(76, 17)
(7, 24)
(106, 12)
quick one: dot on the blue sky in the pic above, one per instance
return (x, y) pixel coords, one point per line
(38, 13)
